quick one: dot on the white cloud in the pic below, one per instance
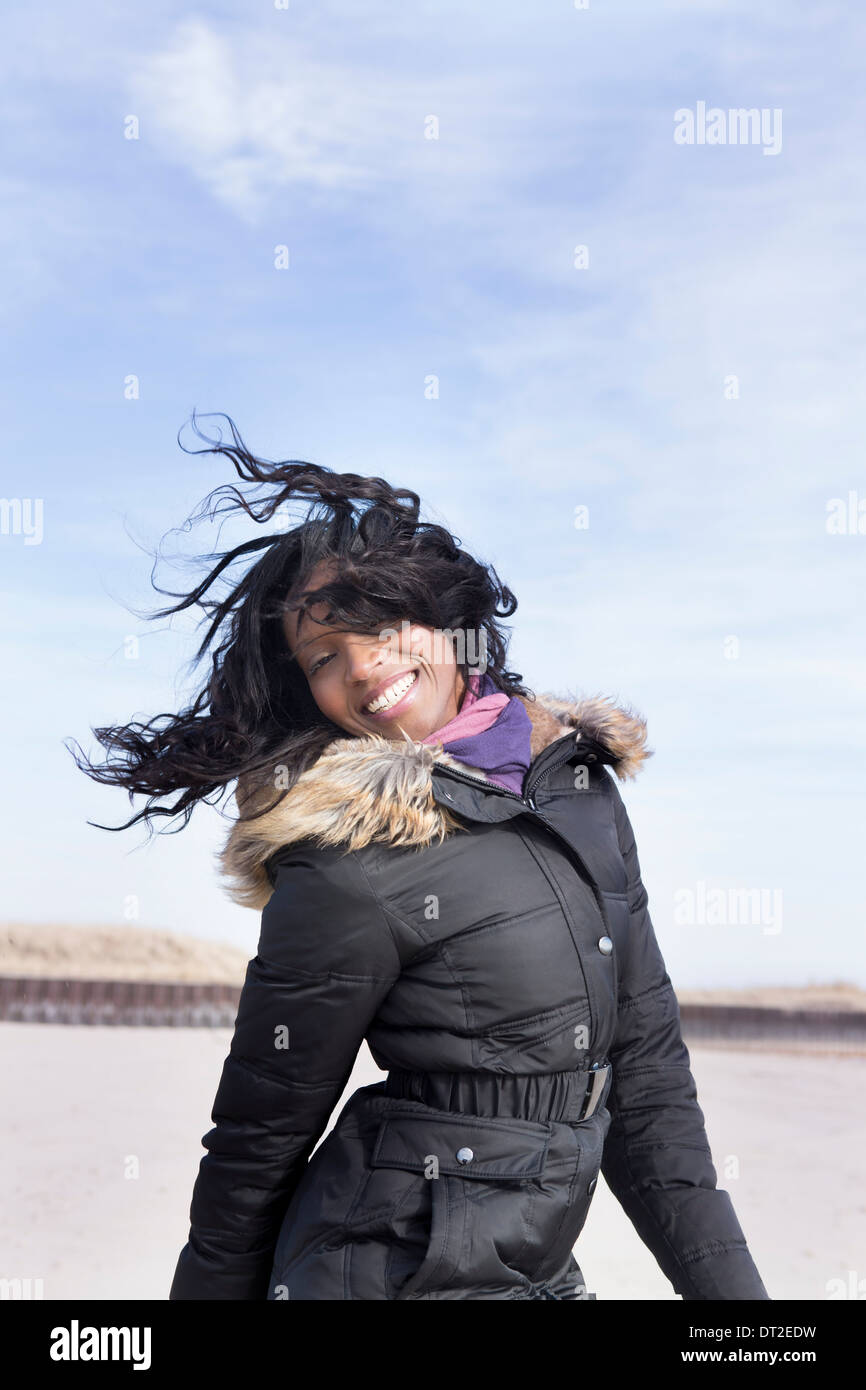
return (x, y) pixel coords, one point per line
(251, 114)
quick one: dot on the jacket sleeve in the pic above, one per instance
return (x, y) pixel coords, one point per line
(657, 1158)
(326, 960)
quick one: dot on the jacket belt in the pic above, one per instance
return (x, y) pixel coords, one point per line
(567, 1097)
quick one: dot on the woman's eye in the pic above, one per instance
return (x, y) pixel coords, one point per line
(321, 661)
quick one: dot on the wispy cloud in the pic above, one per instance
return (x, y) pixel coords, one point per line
(251, 115)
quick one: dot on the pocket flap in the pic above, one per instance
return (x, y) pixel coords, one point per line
(509, 1150)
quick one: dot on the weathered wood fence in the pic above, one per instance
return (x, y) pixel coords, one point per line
(150, 1003)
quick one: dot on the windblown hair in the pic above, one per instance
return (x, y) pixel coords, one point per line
(256, 710)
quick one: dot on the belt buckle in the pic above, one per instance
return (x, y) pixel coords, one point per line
(598, 1075)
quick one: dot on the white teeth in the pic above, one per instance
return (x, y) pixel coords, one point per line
(390, 696)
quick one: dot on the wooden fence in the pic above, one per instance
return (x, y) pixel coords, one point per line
(150, 1003)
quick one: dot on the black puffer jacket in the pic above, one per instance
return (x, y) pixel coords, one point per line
(497, 954)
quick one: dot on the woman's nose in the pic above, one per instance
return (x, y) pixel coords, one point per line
(362, 658)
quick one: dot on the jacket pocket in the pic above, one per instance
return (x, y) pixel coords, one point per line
(471, 1208)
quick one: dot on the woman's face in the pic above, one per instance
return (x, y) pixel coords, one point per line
(408, 673)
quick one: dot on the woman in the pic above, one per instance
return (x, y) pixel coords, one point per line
(445, 868)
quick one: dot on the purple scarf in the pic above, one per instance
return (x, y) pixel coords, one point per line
(502, 750)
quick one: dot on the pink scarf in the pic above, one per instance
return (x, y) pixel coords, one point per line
(491, 732)
(474, 716)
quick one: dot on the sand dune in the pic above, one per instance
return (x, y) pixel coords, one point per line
(117, 953)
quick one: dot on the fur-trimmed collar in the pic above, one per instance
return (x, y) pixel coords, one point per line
(373, 788)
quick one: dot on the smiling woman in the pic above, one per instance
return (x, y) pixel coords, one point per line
(445, 869)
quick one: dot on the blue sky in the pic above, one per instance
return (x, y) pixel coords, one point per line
(607, 386)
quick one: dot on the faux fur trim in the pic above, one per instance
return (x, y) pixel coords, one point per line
(620, 731)
(370, 789)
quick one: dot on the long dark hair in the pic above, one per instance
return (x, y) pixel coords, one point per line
(256, 707)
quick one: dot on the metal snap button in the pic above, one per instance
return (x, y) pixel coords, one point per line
(605, 945)
(465, 1155)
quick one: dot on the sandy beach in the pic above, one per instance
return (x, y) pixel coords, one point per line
(103, 1130)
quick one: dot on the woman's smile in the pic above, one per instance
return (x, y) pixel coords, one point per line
(392, 696)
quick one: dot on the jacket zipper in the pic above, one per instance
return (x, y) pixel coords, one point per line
(530, 803)
(528, 800)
